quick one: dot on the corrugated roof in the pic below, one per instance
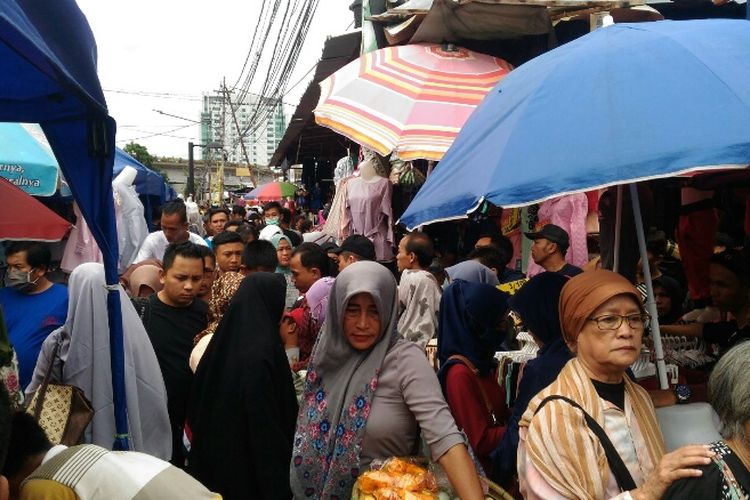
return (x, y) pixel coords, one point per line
(303, 137)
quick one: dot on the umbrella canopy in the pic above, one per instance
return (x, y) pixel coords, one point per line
(408, 99)
(24, 218)
(625, 103)
(273, 191)
(26, 158)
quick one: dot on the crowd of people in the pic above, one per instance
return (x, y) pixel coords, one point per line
(263, 359)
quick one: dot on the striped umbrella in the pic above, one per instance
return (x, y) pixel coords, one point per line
(273, 191)
(408, 99)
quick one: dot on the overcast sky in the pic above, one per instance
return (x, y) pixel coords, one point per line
(183, 48)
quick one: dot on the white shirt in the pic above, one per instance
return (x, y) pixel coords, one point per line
(155, 244)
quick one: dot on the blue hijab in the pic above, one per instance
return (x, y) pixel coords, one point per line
(469, 313)
(536, 303)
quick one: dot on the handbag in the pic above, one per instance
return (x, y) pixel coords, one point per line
(62, 410)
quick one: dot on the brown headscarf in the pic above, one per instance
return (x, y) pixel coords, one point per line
(145, 275)
(222, 291)
(583, 295)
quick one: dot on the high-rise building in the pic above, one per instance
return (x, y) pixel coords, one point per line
(261, 124)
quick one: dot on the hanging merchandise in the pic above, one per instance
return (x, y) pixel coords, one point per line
(569, 212)
(369, 210)
(131, 224)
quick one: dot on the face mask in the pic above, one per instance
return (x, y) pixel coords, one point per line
(20, 280)
(272, 221)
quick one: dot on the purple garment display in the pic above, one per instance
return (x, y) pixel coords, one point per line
(368, 212)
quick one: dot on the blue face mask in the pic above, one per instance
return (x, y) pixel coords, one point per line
(272, 221)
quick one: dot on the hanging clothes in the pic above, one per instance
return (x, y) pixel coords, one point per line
(569, 212)
(81, 246)
(334, 223)
(131, 223)
(369, 212)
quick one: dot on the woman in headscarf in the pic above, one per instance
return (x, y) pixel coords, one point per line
(367, 393)
(83, 360)
(593, 433)
(144, 281)
(473, 272)
(284, 249)
(222, 292)
(9, 367)
(243, 408)
(310, 319)
(536, 305)
(468, 337)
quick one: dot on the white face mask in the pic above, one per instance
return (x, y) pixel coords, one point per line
(20, 280)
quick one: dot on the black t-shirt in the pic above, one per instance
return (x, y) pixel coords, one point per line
(614, 393)
(570, 270)
(171, 330)
(725, 333)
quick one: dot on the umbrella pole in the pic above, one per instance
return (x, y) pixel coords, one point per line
(618, 229)
(661, 368)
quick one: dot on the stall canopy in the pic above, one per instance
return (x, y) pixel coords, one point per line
(49, 50)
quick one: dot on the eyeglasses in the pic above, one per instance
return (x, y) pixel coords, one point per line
(614, 321)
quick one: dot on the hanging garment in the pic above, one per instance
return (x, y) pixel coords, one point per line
(81, 246)
(569, 212)
(131, 223)
(368, 212)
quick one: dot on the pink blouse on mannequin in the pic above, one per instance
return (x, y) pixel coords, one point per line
(368, 212)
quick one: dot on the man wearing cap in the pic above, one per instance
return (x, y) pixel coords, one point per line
(354, 248)
(550, 244)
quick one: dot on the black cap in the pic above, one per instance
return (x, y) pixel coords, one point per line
(553, 233)
(359, 245)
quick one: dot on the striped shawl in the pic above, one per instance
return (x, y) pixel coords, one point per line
(563, 449)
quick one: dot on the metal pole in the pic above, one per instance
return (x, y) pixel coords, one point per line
(191, 172)
(661, 367)
(618, 229)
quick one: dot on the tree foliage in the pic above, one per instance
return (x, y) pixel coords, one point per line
(140, 153)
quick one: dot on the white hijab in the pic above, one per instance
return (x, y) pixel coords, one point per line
(85, 358)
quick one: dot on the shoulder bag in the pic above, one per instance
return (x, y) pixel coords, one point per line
(62, 410)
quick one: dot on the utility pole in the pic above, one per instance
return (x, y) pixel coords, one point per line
(191, 172)
(239, 134)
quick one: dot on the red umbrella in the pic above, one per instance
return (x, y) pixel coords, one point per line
(25, 218)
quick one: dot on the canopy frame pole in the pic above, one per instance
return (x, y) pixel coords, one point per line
(661, 367)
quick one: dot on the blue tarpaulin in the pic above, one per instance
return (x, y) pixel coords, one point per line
(48, 56)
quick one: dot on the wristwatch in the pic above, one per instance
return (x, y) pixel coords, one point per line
(683, 393)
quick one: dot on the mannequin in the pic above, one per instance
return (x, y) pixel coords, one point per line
(367, 171)
(131, 222)
(368, 210)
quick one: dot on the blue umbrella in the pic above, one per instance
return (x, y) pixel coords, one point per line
(627, 102)
(26, 159)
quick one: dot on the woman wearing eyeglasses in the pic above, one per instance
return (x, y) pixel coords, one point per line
(592, 433)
